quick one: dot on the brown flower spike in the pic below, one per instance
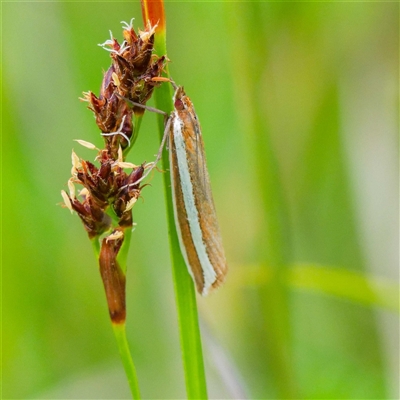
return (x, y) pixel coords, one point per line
(109, 191)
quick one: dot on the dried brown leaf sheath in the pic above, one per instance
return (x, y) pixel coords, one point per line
(113, 279)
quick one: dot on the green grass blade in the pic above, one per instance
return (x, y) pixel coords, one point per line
(184, 289)
(355, 286)
(348, 285)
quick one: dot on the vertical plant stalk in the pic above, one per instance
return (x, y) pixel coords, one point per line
(129, 367)
(185, 297)
(112, 262)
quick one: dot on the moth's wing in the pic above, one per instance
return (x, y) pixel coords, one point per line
(204, 202)
(186, 242)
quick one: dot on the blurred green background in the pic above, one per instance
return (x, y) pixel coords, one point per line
(299, 109)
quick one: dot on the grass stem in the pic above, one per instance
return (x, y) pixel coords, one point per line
(184, 289)
(123, 347)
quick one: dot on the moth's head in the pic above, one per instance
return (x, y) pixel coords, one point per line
(181, 101)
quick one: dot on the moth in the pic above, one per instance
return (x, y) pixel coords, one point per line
(195, 216)
(194, 210)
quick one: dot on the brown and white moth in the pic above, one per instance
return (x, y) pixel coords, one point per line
(195, 215)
